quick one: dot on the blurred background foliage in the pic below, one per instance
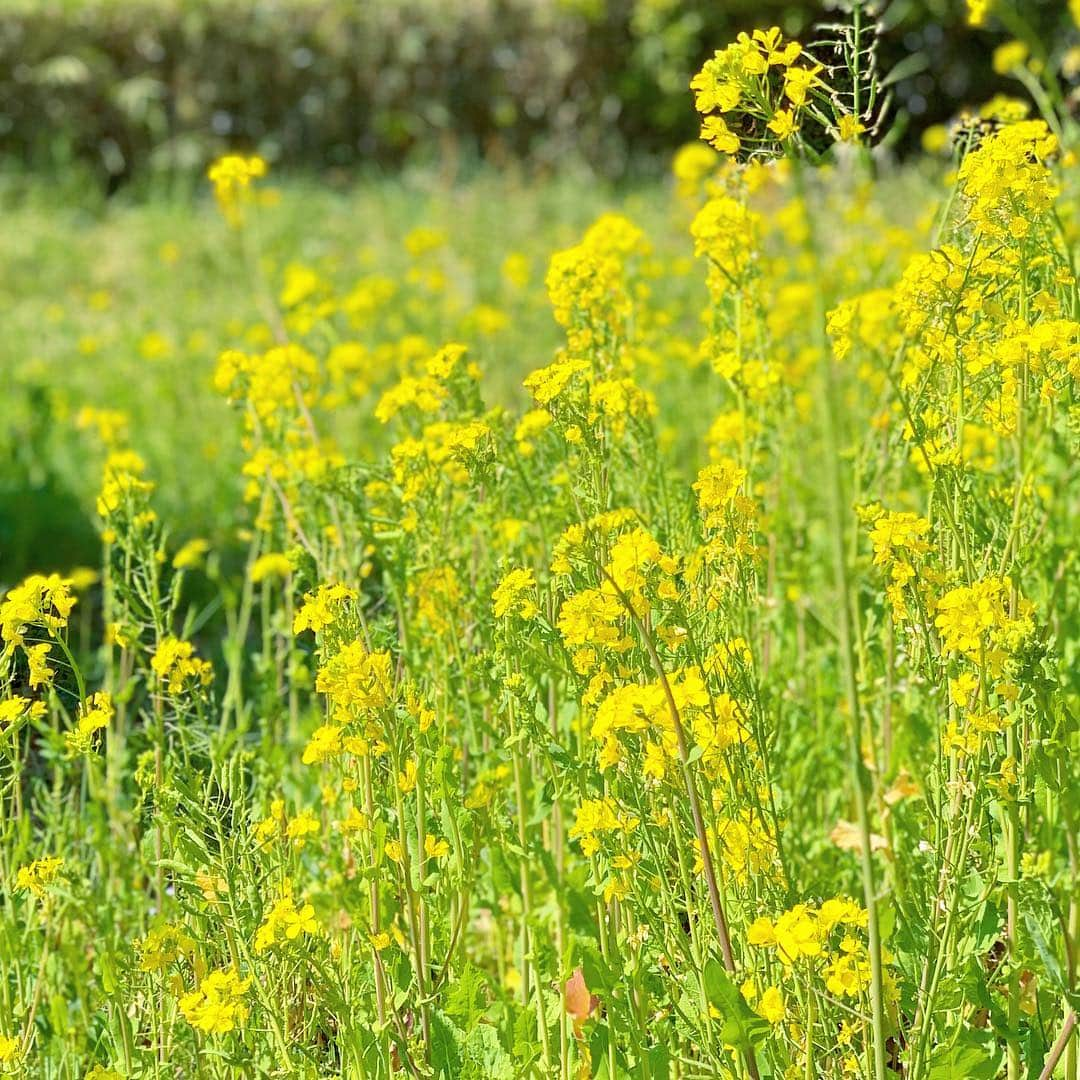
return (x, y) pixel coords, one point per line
(143, 89)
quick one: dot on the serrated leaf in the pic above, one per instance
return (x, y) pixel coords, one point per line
(484, 1057)
(466, 998)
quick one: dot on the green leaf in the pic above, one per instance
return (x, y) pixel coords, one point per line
(446, 1042)
(742, 1027)
(1049, 960)
(485, 1059)
(513, 740)
(659, 1059)
(910, 66)
(886, 918)
(466, 998)
(598, 975)
(973, 1055)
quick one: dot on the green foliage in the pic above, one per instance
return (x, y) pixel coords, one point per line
(156, 88)
(637, 659)
(740, 1026)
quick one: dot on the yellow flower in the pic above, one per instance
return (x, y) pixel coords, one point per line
(324, 744)
(512, 596)
(191, 554)
(82, 578)
(718, 135)
(588, 617)
(163, 946)
(302, 826)
(655, 763)
(783, 125)
(285, 922)
(40, 672)
(355, 821)
(1008, 57)
(406, 780)
(10, 1050)
(548, 383)
(798, 934)
(216, 1007)
(357, 680)
(761, 932)
(37, 601)
(798, 82)
(299, 921)
(849, 127)
(423, 240)
(717, 485)
(771, 1005)
(38, 875)
(516, 269)
(692, 166)
(231, 176)
(176, 666)
(94, 715)
(596, 816)
(322, 607)
(967, 614)
(446, 361)
(435, 847)
(15, 709)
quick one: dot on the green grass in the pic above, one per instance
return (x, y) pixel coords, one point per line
(88, 289)
(423, 775)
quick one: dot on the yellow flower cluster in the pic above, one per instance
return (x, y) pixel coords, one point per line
(231, 176)
(1006, 181)
(514, 595)
(177, 667)
(322, 608)
(39, 601)
(164, 946)
(595, 818)
(590, 285)
(285, 922)
(355, 680)
(762, 81)
(216, 1006)
(972, 617)
(94, 715)
(37, 876)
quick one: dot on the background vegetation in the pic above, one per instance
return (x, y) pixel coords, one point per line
(134, 88)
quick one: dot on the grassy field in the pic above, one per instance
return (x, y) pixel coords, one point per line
(127, 306)
(534, 629)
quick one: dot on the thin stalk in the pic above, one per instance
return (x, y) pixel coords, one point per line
(709, 869)
(851, 689)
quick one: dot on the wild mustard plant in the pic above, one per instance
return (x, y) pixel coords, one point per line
(710, 714)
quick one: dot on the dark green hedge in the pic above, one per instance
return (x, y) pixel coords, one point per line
(133, 86)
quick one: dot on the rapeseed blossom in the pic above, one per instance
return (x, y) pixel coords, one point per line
(550, 730)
